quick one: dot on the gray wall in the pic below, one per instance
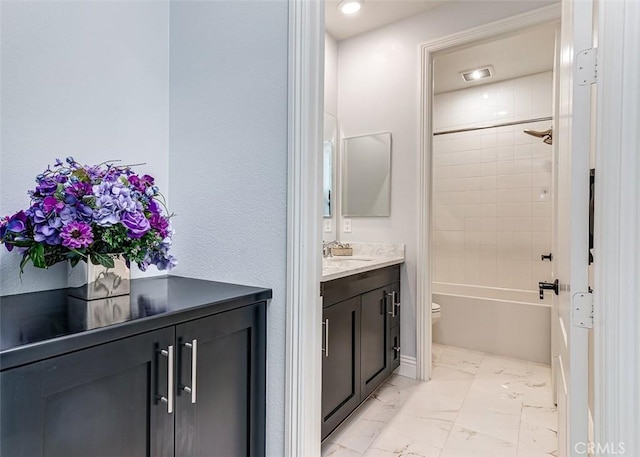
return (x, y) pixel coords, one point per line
(97, 80)
(228, 163)
(378, 90)
(82, 79)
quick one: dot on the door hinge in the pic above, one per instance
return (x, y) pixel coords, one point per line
(582, 310)
(587, 67)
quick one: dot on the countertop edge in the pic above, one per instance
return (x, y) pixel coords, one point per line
(374, 265)
(57, 346)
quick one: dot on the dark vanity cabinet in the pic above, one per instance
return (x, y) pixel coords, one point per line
(223, 414)
(340, 362)
(361, 324)
(183, 376)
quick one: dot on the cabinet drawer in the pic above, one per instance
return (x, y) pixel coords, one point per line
(351, 286)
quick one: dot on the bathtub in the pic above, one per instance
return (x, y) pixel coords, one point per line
(507, 322)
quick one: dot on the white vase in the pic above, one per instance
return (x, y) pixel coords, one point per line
(91, 282)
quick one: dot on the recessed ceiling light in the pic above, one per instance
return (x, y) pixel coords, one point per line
(478, 73)
(349, 6)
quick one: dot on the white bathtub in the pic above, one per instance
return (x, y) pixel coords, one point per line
(507, 322)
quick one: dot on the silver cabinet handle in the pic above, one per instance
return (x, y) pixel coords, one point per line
(394, 303)
(326, 337)
(194, 369)
(168, 353)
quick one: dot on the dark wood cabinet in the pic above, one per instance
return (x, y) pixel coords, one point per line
(98, 402)
(193, 387)
(340, 362)
(222, 414)
(361, 319)
(374, 328)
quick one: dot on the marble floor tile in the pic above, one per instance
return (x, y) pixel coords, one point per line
(337, 450)
(476, 405)
(496, 367)
(358, 436)
(411, 432)
(504, 427)
(460, 359)
(478, 444)
(493, 398)
(534, 438)
(543, 417)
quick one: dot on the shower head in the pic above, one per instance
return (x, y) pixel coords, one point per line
(547, 135)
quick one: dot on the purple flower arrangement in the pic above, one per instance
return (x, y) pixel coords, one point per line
(91, 213)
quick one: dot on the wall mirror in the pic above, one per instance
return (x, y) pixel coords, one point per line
(328, 161)
(329, 165)
(366, 175)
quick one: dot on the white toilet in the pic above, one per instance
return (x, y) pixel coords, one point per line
(435, 313)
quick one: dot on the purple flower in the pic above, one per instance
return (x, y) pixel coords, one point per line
(48, 232)
(153, 207)
(160, 224)
(78, 189)
(46, 186)
(76, 235)
(136, 223)
(50, 204)
(11, 227)
(71, 203)
(16, 223)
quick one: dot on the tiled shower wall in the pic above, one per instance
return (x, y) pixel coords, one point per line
(492, 188)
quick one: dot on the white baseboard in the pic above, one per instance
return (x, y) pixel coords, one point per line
(407, 367)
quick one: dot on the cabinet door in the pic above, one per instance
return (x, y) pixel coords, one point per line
(340, 363)
(220, 408)
(374, 327)
(98, 402)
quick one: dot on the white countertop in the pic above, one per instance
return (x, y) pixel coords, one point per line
(339, 267)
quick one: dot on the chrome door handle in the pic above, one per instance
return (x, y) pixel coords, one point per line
(194, 369)
(325, 349)
(394, 303)
(168, 353)
(396, 349)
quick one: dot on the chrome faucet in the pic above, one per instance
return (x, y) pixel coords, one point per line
(326, 247)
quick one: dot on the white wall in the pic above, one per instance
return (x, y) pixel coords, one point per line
(228, 140)
(378, 90)
(492, 188)
(330, 75)
(82, 79)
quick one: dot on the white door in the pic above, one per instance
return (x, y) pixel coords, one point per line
(571, 234)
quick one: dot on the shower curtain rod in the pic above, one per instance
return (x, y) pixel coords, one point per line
(504, 124)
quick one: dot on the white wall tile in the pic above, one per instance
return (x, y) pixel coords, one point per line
(522, 210)
(488, 196)
(488, 238)
(523, 151)
(473, 183)
(472, 197)
(541, 209)
(504, 153)
(492, 194)
(488, 182)
(504, 210)
(504, 167)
